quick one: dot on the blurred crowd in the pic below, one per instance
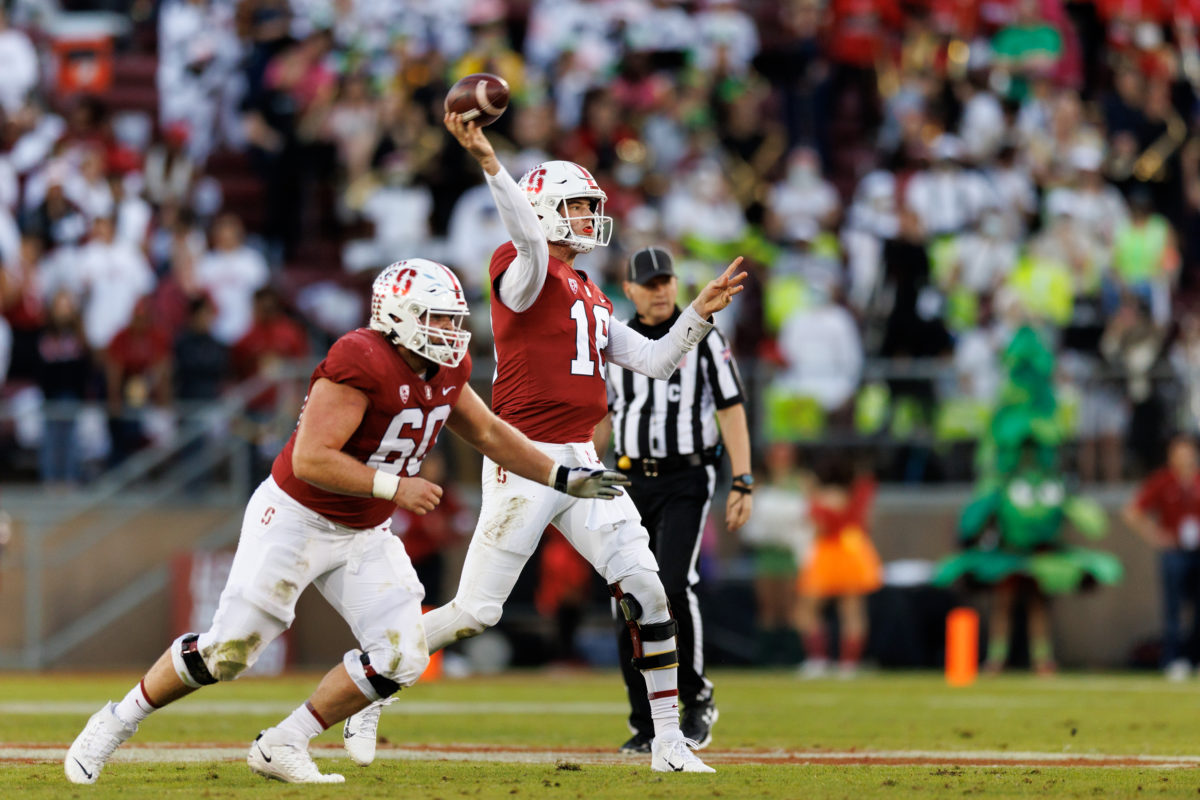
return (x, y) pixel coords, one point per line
(909, 180)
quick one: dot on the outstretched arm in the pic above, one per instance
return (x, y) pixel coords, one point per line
(508, 447)
(523, 280)
(658, 358)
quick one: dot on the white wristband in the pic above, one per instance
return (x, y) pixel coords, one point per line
(385, 485)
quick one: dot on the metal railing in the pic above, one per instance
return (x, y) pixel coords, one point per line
(156, 477)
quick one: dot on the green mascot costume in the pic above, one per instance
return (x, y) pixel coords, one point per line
(1012, 530)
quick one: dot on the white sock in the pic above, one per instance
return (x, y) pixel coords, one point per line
(304, 723)
(136, 706)
(662, 688)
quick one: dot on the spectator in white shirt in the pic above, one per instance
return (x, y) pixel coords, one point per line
(727, 37)
(133, 213)
(1014, 192)
(18, 66)
(169, 170)
(113, 276)
(87, 187)
(37, 133)
(663, 26)
(804, 197)
(871, 219)
(400, 212)
(945, 197)
(823, 351)
(983, 126)
(703, 205)
(231, 273)
(1097, 206)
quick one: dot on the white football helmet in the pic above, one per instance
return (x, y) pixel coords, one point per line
(549, 185)
(405, 295)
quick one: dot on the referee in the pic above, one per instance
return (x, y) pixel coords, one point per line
(667, 441)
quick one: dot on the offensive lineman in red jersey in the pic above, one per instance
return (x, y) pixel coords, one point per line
(554, 330)
(374, 409)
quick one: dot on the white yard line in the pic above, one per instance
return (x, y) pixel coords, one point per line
(209, 753)
(239, 707)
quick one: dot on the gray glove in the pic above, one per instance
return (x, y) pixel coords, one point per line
(588, 482)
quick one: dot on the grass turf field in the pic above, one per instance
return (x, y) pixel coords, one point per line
(553, 735)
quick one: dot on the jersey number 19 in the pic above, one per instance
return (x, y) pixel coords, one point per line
(582, 363)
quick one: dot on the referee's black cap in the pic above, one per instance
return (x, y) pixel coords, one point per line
(648, 263)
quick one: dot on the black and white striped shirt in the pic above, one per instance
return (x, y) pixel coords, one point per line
(653, 418)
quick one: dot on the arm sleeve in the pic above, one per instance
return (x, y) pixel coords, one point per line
(655, 358)
(721, 371)
(522, 282)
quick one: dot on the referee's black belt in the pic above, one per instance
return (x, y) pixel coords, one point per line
(653, 467)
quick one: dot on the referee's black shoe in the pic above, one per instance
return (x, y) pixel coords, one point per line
(639, 743)
(698, 720)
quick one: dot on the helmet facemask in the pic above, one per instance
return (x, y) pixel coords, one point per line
(405, 298)
(601, 226)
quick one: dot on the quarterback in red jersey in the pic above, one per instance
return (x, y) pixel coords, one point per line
(374, 409)
(554, 331)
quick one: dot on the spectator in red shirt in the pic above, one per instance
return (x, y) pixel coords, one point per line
(274, 339)
(137, 367)
(1166, 513)
(274, 342)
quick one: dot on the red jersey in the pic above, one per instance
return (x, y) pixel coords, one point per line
(831, 520)
(1172, 501)
(550, 358)
(400, 425)
(138, 351)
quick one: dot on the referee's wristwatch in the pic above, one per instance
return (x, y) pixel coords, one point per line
(743, 483)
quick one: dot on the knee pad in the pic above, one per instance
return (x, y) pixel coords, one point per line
(380, 674)
(637, 617)
(188, 663)
(650, 597)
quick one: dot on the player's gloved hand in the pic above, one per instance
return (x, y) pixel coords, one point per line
(589, 482)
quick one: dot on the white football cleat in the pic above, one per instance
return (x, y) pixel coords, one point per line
(361, 730)
(273, 756)
(95, 744)
(671, 752)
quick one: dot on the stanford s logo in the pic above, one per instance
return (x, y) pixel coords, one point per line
(535, 180)
(404, 281)
(574, 285)
(501, 474)
(404, 393)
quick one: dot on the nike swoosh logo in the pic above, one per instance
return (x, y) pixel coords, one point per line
(82, 767)
(348, 734)
(675, 768)
(267, 758)
(447, 390)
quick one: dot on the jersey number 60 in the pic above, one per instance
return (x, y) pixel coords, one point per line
(408, 454)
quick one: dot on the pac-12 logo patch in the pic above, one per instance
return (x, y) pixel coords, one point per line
(404, 393)
(428, 392)
(574, 285)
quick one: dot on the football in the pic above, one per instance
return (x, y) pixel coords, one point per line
(481, 97)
